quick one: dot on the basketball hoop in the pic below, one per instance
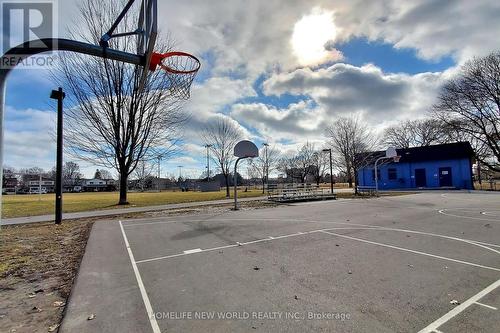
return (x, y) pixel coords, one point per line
(180, 68)
(396, 158)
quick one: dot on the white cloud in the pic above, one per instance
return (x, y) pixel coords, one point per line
(434, 28)
(342, 89)
(299, 120)
(28, 138)
(242, 40)
(209, 101)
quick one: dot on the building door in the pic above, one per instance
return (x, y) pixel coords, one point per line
(445, 177)
(420, 179)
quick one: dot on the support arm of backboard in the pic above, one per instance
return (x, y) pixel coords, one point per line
(108, 35)
(29, 48)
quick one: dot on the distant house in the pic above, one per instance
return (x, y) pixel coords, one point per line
(10, 183)
(98, 185)
(45, 184)
(437, 166)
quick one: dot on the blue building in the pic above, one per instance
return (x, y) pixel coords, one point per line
(438, 166)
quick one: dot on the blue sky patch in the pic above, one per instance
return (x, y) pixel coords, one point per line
(359, 51)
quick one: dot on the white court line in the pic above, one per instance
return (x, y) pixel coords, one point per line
(227, 246)
(411, 251)
(442, 211)
(468, 241)
(487, 306)
(343, 223)
(460, 308)
(192, 251)
(185, 254)
(161, 222)
(483, 243)
(144, 294)
(353, 238)
(490, 213)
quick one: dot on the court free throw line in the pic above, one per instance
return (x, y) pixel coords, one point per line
(144, 294)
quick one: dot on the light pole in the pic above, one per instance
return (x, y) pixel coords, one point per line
(59, 96)
(159, 173)
(40, 187)
(331, 168)
(266, 165)
(180, 171)
(208, 161)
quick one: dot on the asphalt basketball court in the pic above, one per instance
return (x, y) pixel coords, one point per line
(426, 262)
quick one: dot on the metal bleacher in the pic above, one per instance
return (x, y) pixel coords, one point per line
(298, 192)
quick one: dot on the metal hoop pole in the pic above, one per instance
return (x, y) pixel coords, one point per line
(30, 48)
(3, 76)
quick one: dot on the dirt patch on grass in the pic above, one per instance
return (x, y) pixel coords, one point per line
(39, 262)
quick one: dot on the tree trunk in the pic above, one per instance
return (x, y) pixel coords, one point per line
(123, 190)
(349, 176)
(263, 185)
(227, 185)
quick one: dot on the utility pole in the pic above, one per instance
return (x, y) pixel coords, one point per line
(39, 187)
(331, 168)
(180, 171)
(208, 161)
(266, 165)
(159, 173)
(59, 96)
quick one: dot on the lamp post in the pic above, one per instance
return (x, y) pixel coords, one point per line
(59, 96)
(159, 173)
(266, 165)
(331, 168)
(180, 171)
(208, 161)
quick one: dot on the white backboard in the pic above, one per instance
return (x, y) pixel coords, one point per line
(391, 152)
(246, 148)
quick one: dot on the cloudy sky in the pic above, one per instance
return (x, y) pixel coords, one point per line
(285, 69)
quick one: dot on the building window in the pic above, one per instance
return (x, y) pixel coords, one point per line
(392, 173)
(373, 174)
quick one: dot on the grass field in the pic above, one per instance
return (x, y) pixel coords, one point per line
(34, 204)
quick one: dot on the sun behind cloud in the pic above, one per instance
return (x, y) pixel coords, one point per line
(310, 35)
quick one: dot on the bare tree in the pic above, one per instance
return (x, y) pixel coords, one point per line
(285, 165)
(71, 173)
(469, 105)
(143, 173)
(222, 135)
(105, 174)
(113, 124)
(265, 164)
(320, 164)
(415, 133)
(304, 161)
(349, 138)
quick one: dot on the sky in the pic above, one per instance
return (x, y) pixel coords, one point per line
(283, 70)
